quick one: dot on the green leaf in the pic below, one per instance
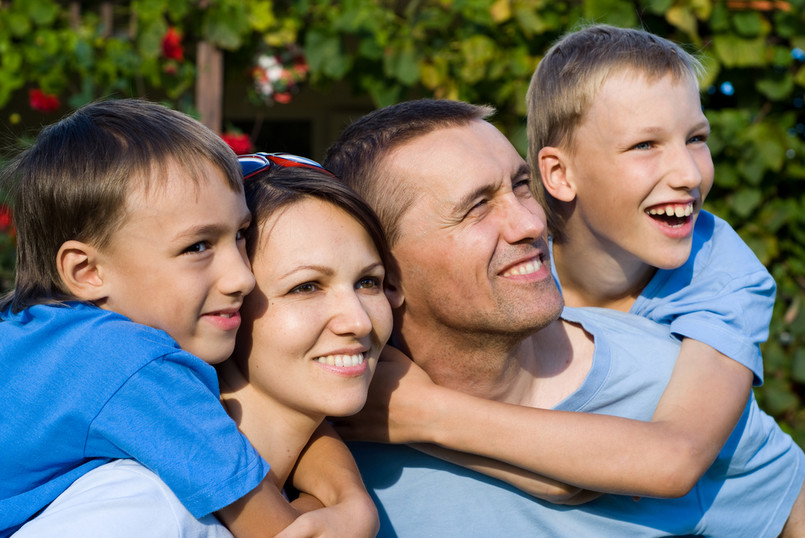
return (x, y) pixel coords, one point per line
(615, 12)
(402, 63)
(477, 52)
(745, 201)
(776, 88)
(684, 19)
(798, 366)
(42, 12)
(734, 51)
(748, 23)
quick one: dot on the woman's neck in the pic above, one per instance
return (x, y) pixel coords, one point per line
(278, 432)
(591, 276)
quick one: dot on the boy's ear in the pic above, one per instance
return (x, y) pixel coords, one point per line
(79, 268)
(391, 286)
(552, 163)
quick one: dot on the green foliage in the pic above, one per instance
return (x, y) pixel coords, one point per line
(482, 51)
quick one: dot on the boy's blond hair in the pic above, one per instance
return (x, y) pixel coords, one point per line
(73, 182)
(570, 76)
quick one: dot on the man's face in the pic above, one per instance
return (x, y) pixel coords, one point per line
(472, 250)
(179, 261)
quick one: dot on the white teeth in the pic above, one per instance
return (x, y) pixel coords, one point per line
(524, 268)
(341, 360)
(671, 210)
(225, 315)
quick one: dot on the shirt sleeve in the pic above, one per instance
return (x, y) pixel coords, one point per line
(168, 417)
(722, 296)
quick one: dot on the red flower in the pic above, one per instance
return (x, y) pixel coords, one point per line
(172, 45)
(240, 143)
(42, 101)
(5, 220)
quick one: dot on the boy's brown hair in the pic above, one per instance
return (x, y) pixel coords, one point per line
(569, 77)
(72, 183)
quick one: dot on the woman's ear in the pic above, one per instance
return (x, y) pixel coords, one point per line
(552, 163)
(391, 286)
(79, 268)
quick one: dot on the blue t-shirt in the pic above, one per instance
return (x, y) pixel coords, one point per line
(748, 491)
(722, 296)
(83, 386)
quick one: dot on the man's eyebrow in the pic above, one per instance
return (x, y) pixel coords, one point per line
(524, 170)
(469, 198)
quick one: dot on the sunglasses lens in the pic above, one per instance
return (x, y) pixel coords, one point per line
(250, 164)
(288, 159)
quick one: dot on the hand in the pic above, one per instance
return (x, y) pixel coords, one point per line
(356, 517)
(397, 406)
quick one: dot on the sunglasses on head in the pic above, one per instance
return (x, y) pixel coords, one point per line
(255, 163)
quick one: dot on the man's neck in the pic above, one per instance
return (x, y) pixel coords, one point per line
(537, 370)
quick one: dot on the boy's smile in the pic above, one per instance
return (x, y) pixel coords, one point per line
(641, 169)
(178, 262)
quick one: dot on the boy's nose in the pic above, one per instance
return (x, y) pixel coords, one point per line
(237, 278)
(687, 173)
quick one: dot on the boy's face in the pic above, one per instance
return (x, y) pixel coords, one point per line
(641, 168)
(178, 263)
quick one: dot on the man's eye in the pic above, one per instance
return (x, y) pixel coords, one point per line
(477, 206)
(369, 282)
(523, 184)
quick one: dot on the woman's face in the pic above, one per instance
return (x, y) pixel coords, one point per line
(317, 319)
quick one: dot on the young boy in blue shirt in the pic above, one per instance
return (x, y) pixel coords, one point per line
(131, 271)
(618, 139)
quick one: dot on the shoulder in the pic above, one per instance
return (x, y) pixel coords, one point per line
(607, 323)
(716, 245)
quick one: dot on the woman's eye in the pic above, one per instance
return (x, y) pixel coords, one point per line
(241, 235)
(196, 248)
(369, 282)
(307, 287)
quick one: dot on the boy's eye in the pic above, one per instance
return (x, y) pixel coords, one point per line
(642, 145)
(307, 287)
(697, 139)
(199, 247)
(369, 282)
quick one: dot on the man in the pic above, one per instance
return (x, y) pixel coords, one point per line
(479, 317)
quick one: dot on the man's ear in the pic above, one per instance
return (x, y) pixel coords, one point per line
(554, 174)
(391, 285)
(80, 270)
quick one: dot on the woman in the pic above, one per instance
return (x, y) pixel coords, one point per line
(310, 337)
(315, 324)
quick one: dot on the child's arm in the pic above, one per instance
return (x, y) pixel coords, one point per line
(661, 458)
(327, 476)
(261, 512)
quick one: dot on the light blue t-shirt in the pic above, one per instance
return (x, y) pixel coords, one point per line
(722, 296)
(83, 386)
(748, 491)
